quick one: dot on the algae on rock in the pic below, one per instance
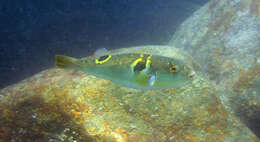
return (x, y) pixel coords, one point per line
(224, 38)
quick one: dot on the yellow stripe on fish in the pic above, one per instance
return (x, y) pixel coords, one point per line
(140, 59)
(148, 62)
(106, 58)
(143, 64)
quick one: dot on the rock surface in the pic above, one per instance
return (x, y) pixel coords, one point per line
(224, 37)
(66, 105)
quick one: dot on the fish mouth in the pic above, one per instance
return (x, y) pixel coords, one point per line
(192, 75)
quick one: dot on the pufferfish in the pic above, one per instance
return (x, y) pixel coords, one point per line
(138, 71)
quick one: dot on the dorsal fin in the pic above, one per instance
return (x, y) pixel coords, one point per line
(101, 52)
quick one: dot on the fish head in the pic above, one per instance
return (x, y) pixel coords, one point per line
(186, 72)
(171, 74)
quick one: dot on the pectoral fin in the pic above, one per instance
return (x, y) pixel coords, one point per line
(144, 79)
(152, 80)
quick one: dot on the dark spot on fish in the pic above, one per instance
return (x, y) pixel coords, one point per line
(102, 58)
(139, 66)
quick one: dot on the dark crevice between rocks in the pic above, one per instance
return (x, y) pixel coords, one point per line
(250, 117)
(254, 123)
(31, 119)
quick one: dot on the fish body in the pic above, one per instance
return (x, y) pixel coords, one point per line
(139, 71)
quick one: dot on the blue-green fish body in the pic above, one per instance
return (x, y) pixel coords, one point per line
(139, 71)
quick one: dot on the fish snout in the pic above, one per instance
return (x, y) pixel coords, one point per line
(192, 75)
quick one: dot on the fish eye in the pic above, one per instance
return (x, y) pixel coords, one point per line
(173, 68)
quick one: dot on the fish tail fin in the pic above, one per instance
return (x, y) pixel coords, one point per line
(65, 61)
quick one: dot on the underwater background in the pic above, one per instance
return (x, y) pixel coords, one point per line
(218, 39)
(32, 32)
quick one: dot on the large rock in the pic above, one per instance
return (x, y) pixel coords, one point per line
(224, 37)
(66, 105)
